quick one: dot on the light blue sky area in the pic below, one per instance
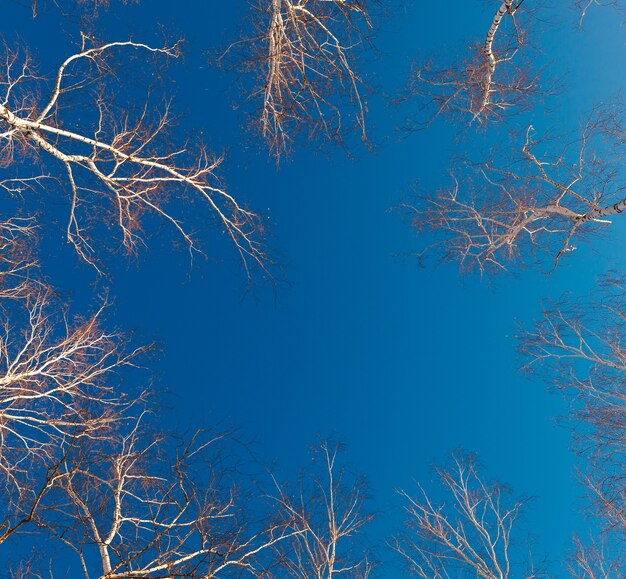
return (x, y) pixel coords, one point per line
(402, 363)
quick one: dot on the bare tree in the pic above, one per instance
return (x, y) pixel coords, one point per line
(489, 83)
(52, 372)
(326, 516)
(57, 379)
(301, 57)
(116, 165)
(518, 209)
(138, 504)
(578, 346)
(78, 461)
(593, 562)
(470, 534)
(56, 387)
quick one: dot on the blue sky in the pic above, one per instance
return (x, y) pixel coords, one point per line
(402, 363)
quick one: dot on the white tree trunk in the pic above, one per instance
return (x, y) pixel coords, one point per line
(600, 212)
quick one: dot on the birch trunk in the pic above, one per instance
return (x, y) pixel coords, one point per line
(600, 212)
(505, 7)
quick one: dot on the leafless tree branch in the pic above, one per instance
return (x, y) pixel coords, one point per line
(471, 533)
(302, 58)
(505, 211)
(578, 346)
(491, 83)
(116, 167)
(326, 516)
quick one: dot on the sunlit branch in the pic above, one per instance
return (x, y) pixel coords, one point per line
(470, 533)
(584, 6)
(578, 347)
(515, 210)
(488, 85)
(117, 164)
(326, 516)
(304, 58)
(54, 381)
(138, 506)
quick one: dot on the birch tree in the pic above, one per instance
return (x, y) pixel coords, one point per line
(55, 388)
(326, 515)
(79, 462)
(115, 165)
(301, 59)
(53, 384)
(58, 382)
(593, 561)
(528, 207)
(577, 346)
(141, 504)
(471, 533)
(490, 82)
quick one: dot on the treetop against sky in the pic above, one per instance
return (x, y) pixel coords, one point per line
(235, 235)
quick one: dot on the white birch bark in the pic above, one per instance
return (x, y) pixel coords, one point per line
(600, 212)
(123, 157)
(505, 7)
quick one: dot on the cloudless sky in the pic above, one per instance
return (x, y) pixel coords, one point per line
(402, 363)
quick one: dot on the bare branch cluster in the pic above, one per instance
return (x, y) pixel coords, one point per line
(140, 504)
(116, 167)
(302, 58)
(56, 379)
(578, 346)
(326, 517)
(494, 80)
(511, 211)
(470, 534)
(594, 562)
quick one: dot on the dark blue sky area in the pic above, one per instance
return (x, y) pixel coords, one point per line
(402, 363)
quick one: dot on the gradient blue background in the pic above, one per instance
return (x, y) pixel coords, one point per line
(402, 363)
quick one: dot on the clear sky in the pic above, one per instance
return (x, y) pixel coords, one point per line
(402, 363)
